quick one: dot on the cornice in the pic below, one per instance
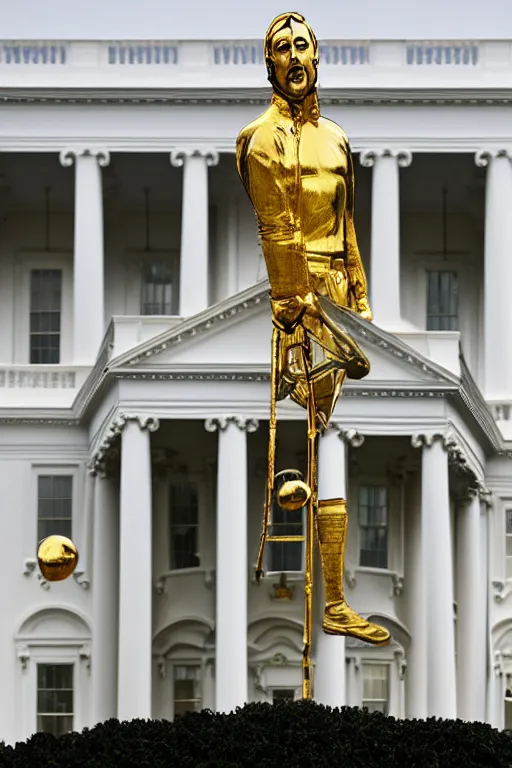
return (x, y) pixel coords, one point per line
(259, 96)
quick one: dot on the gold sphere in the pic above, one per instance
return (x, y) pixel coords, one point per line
(293, 494)
(57, 557)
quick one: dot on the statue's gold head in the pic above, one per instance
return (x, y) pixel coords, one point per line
(291, 56)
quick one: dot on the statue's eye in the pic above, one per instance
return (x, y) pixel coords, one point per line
(283, 47)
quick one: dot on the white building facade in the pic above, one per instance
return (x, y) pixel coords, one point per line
(134, 385)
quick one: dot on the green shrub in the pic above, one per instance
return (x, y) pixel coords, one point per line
(285, 735)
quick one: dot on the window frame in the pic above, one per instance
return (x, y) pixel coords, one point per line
(25, 262)
(136, 261)
(73, 689)
(428, 314)
(365, 664)
(386, 487)
(52, 333)
(73, 469)
(179, 663)
(507, 508)
(200, 480)
(73, 491)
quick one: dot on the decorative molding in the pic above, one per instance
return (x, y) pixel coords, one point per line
(85, 655)
(401, 662)
(351, 436)
(23, 654)
(161, 667)
(70, 155)
(369, 157)
(501, 589)
(484, 156)
(43, 583)
(350, 579)
(29, 565)
(209, 578)
(160, 585)
(398, 583)
(82, 579)
(221, 423)
(178, 157)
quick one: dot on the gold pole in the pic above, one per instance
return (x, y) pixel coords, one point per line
(312, 480)
(272, 434)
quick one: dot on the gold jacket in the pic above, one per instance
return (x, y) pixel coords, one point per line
(298, 172)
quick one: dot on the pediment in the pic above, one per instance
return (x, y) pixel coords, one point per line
(235, 335)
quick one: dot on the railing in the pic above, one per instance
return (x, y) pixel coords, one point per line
(457, 54)
(240, 63)
(30, 53)
(41, 377)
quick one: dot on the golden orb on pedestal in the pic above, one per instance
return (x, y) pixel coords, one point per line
(57, 557)
(293, 495)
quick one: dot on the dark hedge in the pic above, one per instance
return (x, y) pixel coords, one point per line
(286, 734)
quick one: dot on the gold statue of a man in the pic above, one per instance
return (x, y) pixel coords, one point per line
(297, 169)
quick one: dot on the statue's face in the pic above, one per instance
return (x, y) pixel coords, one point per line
(294, 64)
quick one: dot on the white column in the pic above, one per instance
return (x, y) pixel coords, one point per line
(232, 567)
(135, 593)
(194, 266)
(415, 600)
(471, 612)
(497, 373)
(438, 563)
(385, 241)
(330, 668)
(88, 266)
(105, 598)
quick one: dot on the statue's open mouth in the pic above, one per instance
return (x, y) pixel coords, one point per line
(296, 74)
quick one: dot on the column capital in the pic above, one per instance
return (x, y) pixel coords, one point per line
(69, 155)
(484, 156)
(221, 423)
(179, 156)
(351, 437)
(427, 439)
(97, 465)
(368, 157)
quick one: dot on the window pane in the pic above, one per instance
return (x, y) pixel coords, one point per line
(373, 527)
(508, 514)
(442, 301)
(187, 688)
(283, 694)
(55, 698)
(157, 279)
(184, 525)
(45, 315)
(376, 687)
(55, 504)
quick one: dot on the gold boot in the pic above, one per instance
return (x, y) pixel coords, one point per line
(339, 618)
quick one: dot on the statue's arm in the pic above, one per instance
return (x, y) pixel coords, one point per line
(355, 269)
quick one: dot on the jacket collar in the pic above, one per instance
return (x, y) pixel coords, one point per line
(306, 110)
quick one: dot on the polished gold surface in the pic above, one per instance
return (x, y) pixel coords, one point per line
(297, 169)
(57, 558)
(293, 495)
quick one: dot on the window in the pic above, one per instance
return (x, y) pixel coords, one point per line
(508, 543)
(55, 698)
(442, 301)
(283, 694)
(157, 289)
(187, 689)
(286, 556)
(54, 505)
(373, 525)
(184, 525)
(376, 687)
(45, 315)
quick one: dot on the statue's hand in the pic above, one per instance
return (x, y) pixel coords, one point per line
(363, 309)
